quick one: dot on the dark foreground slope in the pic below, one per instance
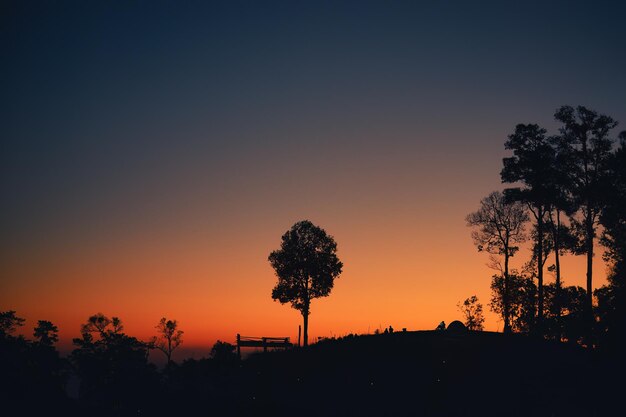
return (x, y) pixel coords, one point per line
(430, 374)
(399, 374)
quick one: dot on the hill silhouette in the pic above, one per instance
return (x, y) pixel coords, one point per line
(453, 372)
(430, 373)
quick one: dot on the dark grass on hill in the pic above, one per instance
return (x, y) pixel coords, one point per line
(429, 373)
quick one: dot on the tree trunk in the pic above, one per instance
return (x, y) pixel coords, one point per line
(305, 316)
(589, 247)
(557, 264)
(507, 319)
(540, 268)
(589, 238)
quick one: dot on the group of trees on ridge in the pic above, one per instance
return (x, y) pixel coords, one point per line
(571, 187)
(113, 368)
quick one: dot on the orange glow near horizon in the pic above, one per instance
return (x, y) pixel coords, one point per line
(395, 273)
(152, 157)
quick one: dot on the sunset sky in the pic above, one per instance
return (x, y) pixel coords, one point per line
(153, 153)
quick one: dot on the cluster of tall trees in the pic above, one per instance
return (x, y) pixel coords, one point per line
(110, 370)
(564, 192)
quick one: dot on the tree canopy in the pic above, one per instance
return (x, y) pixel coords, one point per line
(9, 322)
(168, 339)
(46, 333)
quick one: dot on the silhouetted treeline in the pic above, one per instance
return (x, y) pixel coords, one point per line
(433, 373)
(571, 188)
(109, 367)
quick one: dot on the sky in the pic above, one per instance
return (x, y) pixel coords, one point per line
(154, 152)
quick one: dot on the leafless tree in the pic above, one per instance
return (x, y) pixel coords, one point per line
(168, 339)
(498, 227)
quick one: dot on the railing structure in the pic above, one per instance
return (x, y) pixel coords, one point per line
(264, 342)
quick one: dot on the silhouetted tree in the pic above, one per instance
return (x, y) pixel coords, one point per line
(46, 333)
(15, 361)
(610, 313)
(572, 303)
(585, 135)
(499, 226)
(306, 266)
(9, 322)
(522, 304)
(565, 312)
(472, 313)
(32, 375)
(223, 352)
(113, 368)
(102, 326)
(168, 339)
(612, 297)
(532, 164)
